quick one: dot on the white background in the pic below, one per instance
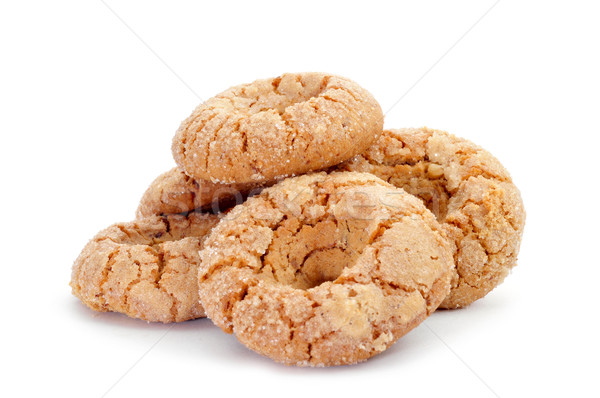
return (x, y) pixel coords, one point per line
(87, 113)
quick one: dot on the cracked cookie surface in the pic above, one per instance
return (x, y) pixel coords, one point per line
(277, 127)
(175, 192)
(325, 269)
(145, 269)
(469, 191)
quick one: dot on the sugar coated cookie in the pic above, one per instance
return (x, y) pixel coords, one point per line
(468, 190)
(323, 270)
(145, 269)
(174, 192)
(277, 127)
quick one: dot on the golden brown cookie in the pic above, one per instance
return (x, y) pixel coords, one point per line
(323, 270)
(469, 191)
(145, 269)
(174, 192)
(278, 127)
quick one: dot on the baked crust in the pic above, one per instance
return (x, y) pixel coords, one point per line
(469, 191)
(145, 269)
(277, 127)
(325, 269)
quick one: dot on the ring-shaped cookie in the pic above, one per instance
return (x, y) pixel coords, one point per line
(173, 192)
(145, 269)
(323, 270)
(277, 127)
(469, 191)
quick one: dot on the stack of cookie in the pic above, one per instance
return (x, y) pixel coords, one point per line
(296, 222)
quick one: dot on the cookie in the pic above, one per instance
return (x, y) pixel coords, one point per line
(323, 270)
(174, 192)
(469, 191)
(145, 269)
(277, 127)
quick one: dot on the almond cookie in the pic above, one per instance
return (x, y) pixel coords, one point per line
(174, 192)
(323, 270)
(469, 191)
(145, 269)
(272, 128)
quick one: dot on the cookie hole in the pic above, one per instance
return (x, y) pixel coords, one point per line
(306, 256)
(416, 180)
(283, 92)
(323, 266)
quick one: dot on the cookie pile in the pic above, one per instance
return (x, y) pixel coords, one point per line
(296, 222)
